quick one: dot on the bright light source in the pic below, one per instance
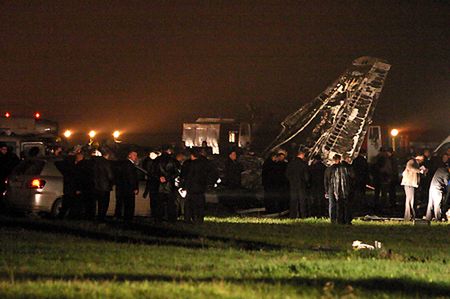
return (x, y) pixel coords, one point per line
(67, 133)
(7, 115)
(92, 133)
(394, 132)
(116, 134)
(36, 183)
(37, 115)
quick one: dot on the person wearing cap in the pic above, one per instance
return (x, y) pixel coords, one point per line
(410, 181)
(298, 175)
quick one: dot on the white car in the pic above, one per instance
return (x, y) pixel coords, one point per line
(36, 186)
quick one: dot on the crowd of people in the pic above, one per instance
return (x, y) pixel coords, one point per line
(89, 177)
(176, 183)
(339, 191)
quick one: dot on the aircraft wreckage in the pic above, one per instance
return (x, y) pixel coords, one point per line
(336, 121)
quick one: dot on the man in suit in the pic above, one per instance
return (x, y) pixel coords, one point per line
(298, 175)
(195, 175)
(127, 187)
(166, 168)
(103, 181)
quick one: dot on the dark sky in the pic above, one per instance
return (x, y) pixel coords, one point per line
(148, 66)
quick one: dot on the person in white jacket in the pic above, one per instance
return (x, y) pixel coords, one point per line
(410, 181)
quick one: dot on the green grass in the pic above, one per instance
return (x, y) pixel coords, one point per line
(225, 258)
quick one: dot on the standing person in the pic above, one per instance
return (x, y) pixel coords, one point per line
(361, 169)
(166, 169)
(281, 182)
(232, 171)
(438, 188)
(194, 179)
(268, 180)
(338, 189)
(68, 168)
(152, 182)
(410, 181)
(103, 181)
(317, 188)
(425, 178)
(181, 158)
(378, 180)
(8, 160)
(298, 175)
(127, 187)
(386, 178)
(85, 186)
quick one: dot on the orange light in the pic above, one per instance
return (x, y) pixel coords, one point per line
(36, 183)
(37, 115)
(7, 115)
(394, 132)
(67, 133)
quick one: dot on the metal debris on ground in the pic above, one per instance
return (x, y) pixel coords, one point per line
(358, 245)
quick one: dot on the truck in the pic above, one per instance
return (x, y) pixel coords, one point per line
(21, 134)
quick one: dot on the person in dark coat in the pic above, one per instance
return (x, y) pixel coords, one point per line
(281, 182)
(438, 188)
(166, 169)
(337, 183)
(232, 171)
(385, 178)
(297, 173)
(361, 170)
(195, 176)
(152, 182)
(85, 186)
(317, 190)
(8, 160)
(71, 206)
(103, 181)
(268, 182)
(127, 187)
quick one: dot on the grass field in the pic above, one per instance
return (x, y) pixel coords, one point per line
(225, 257)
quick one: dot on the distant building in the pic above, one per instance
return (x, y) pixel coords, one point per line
(220, 134)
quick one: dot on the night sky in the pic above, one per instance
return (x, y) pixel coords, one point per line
(146, 67)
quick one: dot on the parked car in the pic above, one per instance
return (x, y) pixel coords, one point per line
(36, 186)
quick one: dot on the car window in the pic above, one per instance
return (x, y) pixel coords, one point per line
(29, 167)
(50, 169)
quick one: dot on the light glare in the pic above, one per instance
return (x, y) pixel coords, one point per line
(92, 133)
(394, 132)
(116, 134)
(67, 133)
